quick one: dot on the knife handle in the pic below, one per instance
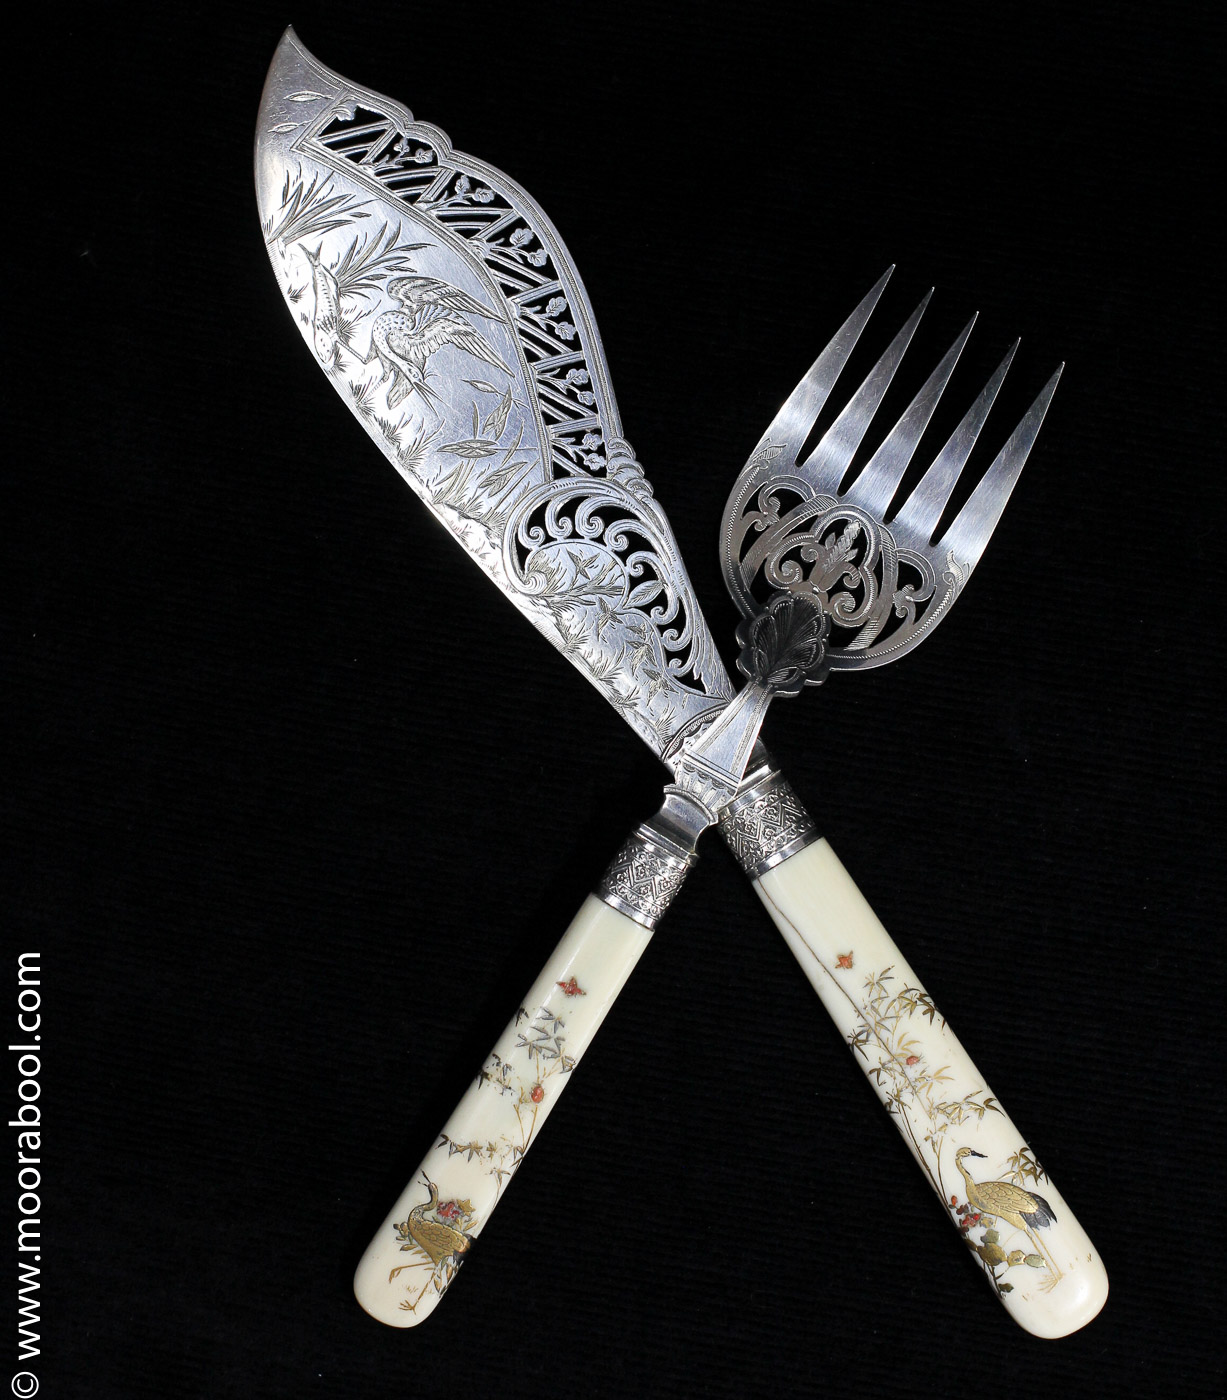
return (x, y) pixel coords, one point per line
(1032, 1250)
(428, 1233)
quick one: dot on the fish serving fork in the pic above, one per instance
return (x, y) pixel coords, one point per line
(792, 530)
(790, 527)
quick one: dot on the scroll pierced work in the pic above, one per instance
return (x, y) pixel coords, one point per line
(598, 562)
(881, 599)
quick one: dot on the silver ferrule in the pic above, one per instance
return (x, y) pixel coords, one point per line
(766, 823)
(645, 875)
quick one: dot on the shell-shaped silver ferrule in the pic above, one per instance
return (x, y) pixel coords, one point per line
(765, 824)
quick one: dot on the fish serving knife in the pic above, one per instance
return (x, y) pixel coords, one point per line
(445, 309)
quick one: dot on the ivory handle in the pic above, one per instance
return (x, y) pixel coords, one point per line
(429, 1231)
(1032, 1250)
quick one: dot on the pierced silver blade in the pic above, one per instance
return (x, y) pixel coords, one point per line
(444, 308)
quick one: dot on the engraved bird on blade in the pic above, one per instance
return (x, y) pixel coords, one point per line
(447, 313)
(402, 341)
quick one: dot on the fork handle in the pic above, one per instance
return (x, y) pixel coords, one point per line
(1032, 1250)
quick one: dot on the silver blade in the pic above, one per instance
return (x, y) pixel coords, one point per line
(447, 313)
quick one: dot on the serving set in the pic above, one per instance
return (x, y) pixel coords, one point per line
(446, 312)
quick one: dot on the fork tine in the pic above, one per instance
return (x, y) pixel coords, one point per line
(876, 485)
(790, 426)
(825, 467)
(919, 514)
(969, 532)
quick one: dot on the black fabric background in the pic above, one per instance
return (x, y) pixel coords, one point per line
(297, 806)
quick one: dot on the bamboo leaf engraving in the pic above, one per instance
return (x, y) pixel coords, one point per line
(497, 420)
(470, 447)
(367, 261)
(310, 210)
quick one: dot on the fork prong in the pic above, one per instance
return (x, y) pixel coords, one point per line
(969, 532)
(919, 514)
(790, 426)
(876, 485)
(826, 466)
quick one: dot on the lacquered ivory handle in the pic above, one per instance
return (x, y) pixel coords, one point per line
(419, 1247)
(1032, 1249)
